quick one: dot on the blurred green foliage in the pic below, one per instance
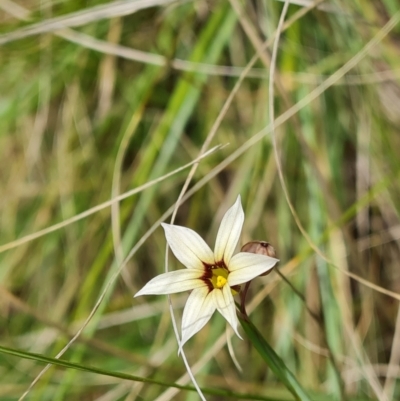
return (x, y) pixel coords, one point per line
(92, 108)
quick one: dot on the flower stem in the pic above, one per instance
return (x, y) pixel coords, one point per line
(243, 298)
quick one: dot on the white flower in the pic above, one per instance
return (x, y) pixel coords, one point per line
(211, 276)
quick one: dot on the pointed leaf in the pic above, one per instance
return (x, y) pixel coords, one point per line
(273, 360)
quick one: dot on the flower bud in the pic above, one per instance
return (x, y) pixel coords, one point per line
(261, 248)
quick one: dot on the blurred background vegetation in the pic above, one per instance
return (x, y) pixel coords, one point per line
(98, 98)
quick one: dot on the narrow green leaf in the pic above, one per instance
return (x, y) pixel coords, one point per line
(273, 360)
(126, 376)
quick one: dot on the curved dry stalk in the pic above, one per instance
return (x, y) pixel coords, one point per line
(107, 286)
(204, 147)
(314, 94)
(104, 205)
(18, 304)
(373, 380)
(115, 189)
(308, 99)
(117, 8)
(393, 367)
(271, 112)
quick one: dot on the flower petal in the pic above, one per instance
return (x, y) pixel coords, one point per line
(245, 266)
(188, 247)
(229, 232)
(172, 282)
(226, 306)
(199, 308)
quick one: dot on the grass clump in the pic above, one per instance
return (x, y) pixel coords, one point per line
(97, 99)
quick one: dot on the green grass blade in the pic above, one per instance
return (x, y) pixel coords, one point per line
(273, 360)
(126, 376)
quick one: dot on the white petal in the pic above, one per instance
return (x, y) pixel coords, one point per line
(198, 310)
(229, 232)
(226, 306)
(172, 282)
(245, 266)
(188, 247)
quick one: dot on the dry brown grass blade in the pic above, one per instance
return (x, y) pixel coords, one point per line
(104, 205)
(80, 18)
(16, 303)
(372, 378)
(189, 178)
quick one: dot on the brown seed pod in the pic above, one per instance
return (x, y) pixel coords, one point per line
(260, 247)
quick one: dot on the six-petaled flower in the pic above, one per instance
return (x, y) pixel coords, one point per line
(212, 277)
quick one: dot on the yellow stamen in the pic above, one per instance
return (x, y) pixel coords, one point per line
(221, 281)
(219, 277)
